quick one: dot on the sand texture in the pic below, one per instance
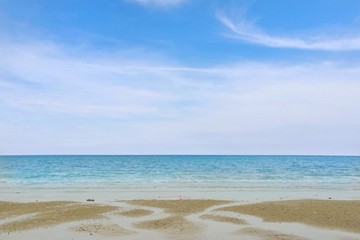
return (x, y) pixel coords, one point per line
(136, 213)
(175, 225)
(13, 209)
(181, 219)
(183, 207)
(225, 219)
(266, 234)
(52, 214)
(178, 209)
(106, 230)
(344, 215)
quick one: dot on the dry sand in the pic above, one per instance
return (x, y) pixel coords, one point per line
(52, 213)
(343, 215)
(13, 209)
(106, 230)
(176, 223)
(136, 213)
(187, 219)
(218, 218)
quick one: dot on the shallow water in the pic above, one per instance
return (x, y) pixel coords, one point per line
(239, 172)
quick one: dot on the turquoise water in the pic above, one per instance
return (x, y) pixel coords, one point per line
(260, 172)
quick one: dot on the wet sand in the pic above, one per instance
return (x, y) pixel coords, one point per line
(180, 218)
(136, 213)
(106, 230)
(179, 206)
(267, 234)
(13, 209)
(218, 218)
(173, 225)
(343, 215)
(176, 223)
(47, 214)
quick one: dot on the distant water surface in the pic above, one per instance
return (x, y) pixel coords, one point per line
(242, 172)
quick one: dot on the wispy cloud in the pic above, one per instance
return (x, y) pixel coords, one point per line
(158, 3)
(249, 32)
(119, 104)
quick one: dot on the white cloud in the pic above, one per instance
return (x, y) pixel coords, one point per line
(158, 3)
(56, 102)
(248, 32)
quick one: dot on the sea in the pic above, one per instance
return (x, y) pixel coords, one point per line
(182, 171)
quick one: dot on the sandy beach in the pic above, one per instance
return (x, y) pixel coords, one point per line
(181, 219)
(179, 197)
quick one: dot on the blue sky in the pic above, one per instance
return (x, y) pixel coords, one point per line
(179, 77)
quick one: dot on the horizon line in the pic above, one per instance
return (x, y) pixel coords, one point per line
(264, 155)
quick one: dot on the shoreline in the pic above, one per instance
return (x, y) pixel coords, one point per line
(192, 198)
(103, 195)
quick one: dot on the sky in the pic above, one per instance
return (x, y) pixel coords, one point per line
(180, 77)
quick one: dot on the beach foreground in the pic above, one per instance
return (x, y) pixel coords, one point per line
(181, 219)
